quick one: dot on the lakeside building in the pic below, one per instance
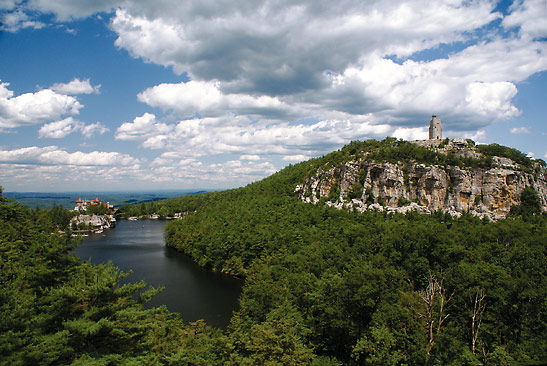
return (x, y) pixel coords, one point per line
(82, 205)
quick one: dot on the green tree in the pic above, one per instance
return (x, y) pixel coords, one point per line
(530, 204)
(279, 340)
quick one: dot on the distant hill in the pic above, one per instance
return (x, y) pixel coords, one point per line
(46, 200)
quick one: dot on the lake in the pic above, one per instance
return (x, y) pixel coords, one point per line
(192, 291)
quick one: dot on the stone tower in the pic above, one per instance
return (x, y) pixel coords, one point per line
(435, 130)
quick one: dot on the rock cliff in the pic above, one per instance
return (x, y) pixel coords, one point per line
(362, 184)
(93, 222)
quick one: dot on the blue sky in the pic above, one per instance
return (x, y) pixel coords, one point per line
(133, 95)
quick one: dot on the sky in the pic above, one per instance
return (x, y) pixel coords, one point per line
(110, 95)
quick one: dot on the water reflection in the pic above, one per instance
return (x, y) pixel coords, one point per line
(189, 290)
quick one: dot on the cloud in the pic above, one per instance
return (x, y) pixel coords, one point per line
(31, 166)
(34, 177)
(229, 134)
(95, 128)
(53, 155)
(206, 99)
(7, 4)
(169, 168)
(529, 16)
(492, 99)
(142, 128)
(15, 20)
(309, 61)
(418, 133)
(276, 48)
(282, 61)
(76, 86)
(520, 130)
(477, 136)
(66, 10)
(464, 88)
(467, 88)
(59, 129)
(69, 125)
(295, 158)
(34, 108)
(249, 157)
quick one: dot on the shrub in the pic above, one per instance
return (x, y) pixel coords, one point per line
(356, 191)
(403, 202)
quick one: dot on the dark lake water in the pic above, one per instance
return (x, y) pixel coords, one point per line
(193, 292)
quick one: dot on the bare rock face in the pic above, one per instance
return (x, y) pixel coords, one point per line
(424, 188)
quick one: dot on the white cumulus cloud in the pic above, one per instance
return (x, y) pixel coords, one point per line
(207, 100)
(7, 4)
(492, 99)
(285, 46)
(96, 128)
(529, 16)
(142, 128)
(76, 86)
(53, 155)
(66, 10)
(295, 79)
(191, 171)
(295, 158)
(417, 133)
(63, 128)
(285, 61)
(34, 108)
(59, 129)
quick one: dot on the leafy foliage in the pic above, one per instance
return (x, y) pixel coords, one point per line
(97, 210)
(507, 152)
(529, 206)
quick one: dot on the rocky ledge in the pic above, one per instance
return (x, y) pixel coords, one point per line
(403, 186)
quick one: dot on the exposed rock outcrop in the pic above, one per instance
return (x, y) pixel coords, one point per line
(400, 187)
(94, 222)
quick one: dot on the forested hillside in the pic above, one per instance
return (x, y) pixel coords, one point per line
(372, 288)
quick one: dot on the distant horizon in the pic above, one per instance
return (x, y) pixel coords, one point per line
(47, 200)
(119, 191)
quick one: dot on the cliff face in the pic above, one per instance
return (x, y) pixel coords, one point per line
(362, 184)
(94, 222)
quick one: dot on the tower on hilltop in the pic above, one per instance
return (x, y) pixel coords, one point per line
(435, 130)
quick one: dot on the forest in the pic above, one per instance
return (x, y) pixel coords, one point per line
(58, 310)
(322, 286)
(374, 288)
